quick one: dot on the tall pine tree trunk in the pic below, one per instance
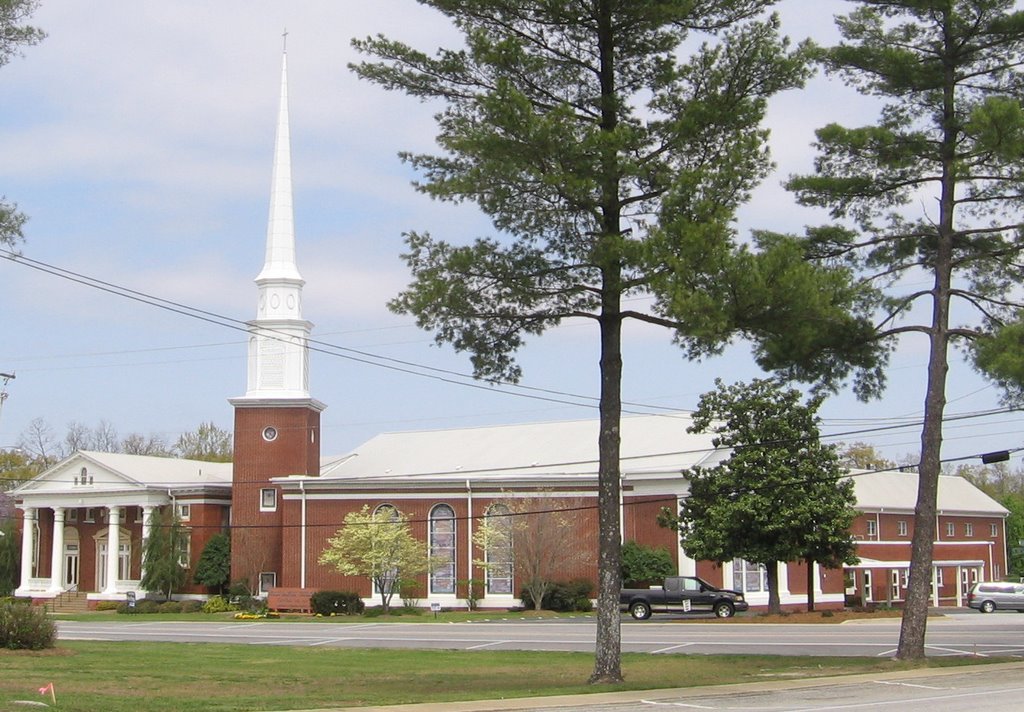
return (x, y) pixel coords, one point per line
(915, 608)
(608, 645)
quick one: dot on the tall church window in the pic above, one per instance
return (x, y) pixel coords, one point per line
(499, 549)
(442, 549)
(749, 577)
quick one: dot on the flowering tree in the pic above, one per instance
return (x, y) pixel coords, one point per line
(378, 545)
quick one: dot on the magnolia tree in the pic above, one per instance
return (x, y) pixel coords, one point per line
(379, 545)
(781, 496)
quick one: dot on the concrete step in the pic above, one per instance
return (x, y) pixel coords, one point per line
(70, 602)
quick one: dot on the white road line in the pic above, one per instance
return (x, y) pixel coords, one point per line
(910, 684)
(671, 647)
(327, 641)
(486, 645)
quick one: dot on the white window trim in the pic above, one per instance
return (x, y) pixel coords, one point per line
(184, 512)
(264, 507)
(448, 565)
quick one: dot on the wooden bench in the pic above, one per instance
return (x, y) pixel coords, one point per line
(290, 599)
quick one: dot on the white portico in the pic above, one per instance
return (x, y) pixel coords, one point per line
(85, 520)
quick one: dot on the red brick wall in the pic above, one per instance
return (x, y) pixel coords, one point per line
(295, 451)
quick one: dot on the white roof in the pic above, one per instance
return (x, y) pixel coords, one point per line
(118, 472)
(897, 491)
(651, 444)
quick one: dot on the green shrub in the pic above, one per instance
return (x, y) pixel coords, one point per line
(191, 606)
(108, 605)
(326, 603)
(26, 627)
(143, 606)
(147, 606)
(563, 596)
(169, 607)
(643, 566)
(219, 604)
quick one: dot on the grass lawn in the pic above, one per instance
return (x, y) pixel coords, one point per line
(179, 677)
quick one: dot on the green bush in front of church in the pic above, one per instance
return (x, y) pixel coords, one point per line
(26, 627)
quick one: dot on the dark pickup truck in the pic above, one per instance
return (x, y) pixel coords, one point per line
(681, 594)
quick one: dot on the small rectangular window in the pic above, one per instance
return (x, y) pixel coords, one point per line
(268, 499)
(90, 515)
(969, 529)
(73, 515)
(950, 529)
(901, 526)
(993, 530)
(872, 527)
(268, 580)
(184, 512)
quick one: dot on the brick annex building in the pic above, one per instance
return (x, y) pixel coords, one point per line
(281, 500)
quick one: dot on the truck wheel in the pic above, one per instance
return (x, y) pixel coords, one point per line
(724, 609)
(640, 610)
(987, 606)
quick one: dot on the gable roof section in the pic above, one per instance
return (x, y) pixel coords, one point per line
(892, 491)
(119, 471)
(651, 444)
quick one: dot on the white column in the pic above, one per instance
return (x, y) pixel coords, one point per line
(783, 573)
(28, 535)
(147, 527)
(113, 542)
(57, 552)
(816, 575)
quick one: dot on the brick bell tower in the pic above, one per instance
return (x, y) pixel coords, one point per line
(277, 423)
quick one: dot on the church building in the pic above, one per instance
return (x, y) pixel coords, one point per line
(281, 500)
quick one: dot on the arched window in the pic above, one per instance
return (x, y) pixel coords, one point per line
(498, 554)
(442, 549)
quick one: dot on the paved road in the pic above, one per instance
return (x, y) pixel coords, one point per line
(969, 633)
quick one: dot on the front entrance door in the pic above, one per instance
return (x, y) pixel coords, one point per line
(71, 566)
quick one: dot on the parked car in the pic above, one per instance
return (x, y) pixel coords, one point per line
(681, 594)
(989, 596)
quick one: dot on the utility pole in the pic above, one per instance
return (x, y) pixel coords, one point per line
(6, 378)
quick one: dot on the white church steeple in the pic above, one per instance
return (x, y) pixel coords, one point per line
(279, 336)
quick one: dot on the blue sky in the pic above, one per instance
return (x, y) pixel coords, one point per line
(138, 137)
